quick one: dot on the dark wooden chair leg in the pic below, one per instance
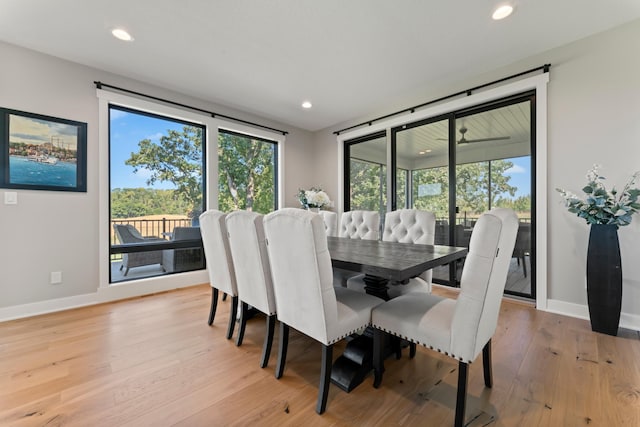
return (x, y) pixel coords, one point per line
(461, 400)
(232, 316)
(214, 304)
(412, 350)
(282, 351)
(268, 340)
(224, 297)
(486, 364)
(244, 308)
(378, 362)
(325, 378)
(397, 346)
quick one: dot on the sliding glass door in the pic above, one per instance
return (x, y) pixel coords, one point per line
(421, 158)
(464, 163)
(493, 145)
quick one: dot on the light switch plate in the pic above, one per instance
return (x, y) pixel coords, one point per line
(10, 198)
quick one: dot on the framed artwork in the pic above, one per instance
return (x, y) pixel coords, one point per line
(41, 152)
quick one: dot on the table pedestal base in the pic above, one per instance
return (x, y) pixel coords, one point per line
(350, 369)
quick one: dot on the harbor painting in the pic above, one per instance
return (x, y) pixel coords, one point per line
(42, 152)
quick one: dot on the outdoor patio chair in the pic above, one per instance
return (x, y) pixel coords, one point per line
(127, 233)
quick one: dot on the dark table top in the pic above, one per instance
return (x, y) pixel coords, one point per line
(389, 260)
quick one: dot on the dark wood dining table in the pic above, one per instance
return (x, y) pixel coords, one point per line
(383, 264)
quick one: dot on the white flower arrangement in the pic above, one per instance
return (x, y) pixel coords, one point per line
(314, 198)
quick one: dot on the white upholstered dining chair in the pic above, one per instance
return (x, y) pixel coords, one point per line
(405, 226)
(253, 274)
(306, 299)
(460, 328)
(219, 263)
(330, 222)
(360, 225)
(356, 225)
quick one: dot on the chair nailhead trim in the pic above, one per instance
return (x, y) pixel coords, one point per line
(421, 343)
(348, 333)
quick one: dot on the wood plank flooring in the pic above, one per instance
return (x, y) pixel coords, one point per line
(154, 361)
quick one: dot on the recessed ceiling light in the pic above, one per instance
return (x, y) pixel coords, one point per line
(428, 151)
(421, 152)
(306, 104)
(502, 12)
(121, 34)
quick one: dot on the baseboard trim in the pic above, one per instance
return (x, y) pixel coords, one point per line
(627, 320)
(49, 306)
(102, 295)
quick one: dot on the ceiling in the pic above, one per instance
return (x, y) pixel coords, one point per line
(503, 132)
(349, 58)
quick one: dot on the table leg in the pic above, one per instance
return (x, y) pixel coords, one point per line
(376, 286)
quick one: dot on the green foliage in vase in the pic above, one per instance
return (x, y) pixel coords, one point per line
(601, 206)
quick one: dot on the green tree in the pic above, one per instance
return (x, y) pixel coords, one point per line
(176, 158)
(134, 202)
(368, 186)
(472, 184)
(246, 173)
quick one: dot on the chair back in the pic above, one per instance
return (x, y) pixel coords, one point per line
(186, 233)
(216, 250)
(330, 222)
(301, 271)
(482, 284)
(250, 260)
(411, 226)
(127, 233)
(360, 225)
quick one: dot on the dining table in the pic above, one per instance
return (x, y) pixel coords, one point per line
(383, 264)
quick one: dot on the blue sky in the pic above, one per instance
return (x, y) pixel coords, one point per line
(127, 130)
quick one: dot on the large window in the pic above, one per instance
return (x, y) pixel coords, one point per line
(247, 173)
(157, 178)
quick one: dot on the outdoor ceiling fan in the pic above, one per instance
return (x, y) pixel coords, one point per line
(464, 140)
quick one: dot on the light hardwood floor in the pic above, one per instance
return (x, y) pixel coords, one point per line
(153, 361)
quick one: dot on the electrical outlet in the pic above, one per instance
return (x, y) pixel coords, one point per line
(10, 198)
(56, 277)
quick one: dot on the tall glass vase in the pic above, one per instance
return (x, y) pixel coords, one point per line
(604, 278)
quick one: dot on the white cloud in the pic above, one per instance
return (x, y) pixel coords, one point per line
(515, 169)
(155, 136)
(143, 173)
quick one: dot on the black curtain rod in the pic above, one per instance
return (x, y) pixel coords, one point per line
(467, 92)
(100, 85)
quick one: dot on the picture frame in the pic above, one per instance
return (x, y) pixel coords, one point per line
(39, 152)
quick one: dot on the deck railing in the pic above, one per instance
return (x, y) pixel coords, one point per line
(161, 228)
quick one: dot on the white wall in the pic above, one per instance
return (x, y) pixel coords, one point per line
(593, 117)
(58, 231)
